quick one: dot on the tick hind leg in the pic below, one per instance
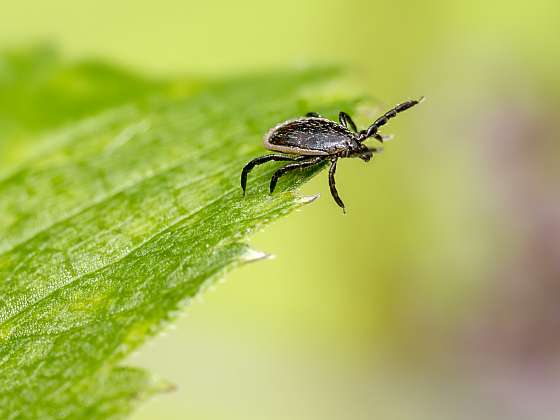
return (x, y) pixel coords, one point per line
(332, 185)
(306, 162)
(259, 161)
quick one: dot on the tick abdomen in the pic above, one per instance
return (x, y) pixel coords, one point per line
(309, 136)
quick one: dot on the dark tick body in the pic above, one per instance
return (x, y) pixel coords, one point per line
(313, 139)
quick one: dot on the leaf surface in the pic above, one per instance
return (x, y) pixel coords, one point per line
(118, 204)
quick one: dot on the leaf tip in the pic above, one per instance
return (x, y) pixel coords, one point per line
(306, 199)
(252, 255)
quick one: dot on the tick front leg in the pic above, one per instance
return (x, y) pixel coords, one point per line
(374, 150)
(259, 161)
(306, 162)
(381, 121)
(346, 120)
(332, 185)
(382, 138)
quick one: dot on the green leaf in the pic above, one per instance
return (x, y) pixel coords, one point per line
(119, 202)
(39, 91)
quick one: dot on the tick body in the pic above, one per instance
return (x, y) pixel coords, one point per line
(310, 140)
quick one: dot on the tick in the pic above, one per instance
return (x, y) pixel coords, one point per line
(311, 140)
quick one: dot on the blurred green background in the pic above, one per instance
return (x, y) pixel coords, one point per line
(438, 294)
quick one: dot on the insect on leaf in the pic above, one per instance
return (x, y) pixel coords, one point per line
(120, 201)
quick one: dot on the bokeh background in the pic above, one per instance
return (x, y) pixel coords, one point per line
(438, 295)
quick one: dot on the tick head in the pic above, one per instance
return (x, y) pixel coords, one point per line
(366, 156)
(363, 152)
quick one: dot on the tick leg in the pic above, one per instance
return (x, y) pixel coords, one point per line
(381, 121)
(374, 150)
(382, 138)
(346, 120)
(313, 114)
(292, 166)
(332, 185)
(258, 161)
